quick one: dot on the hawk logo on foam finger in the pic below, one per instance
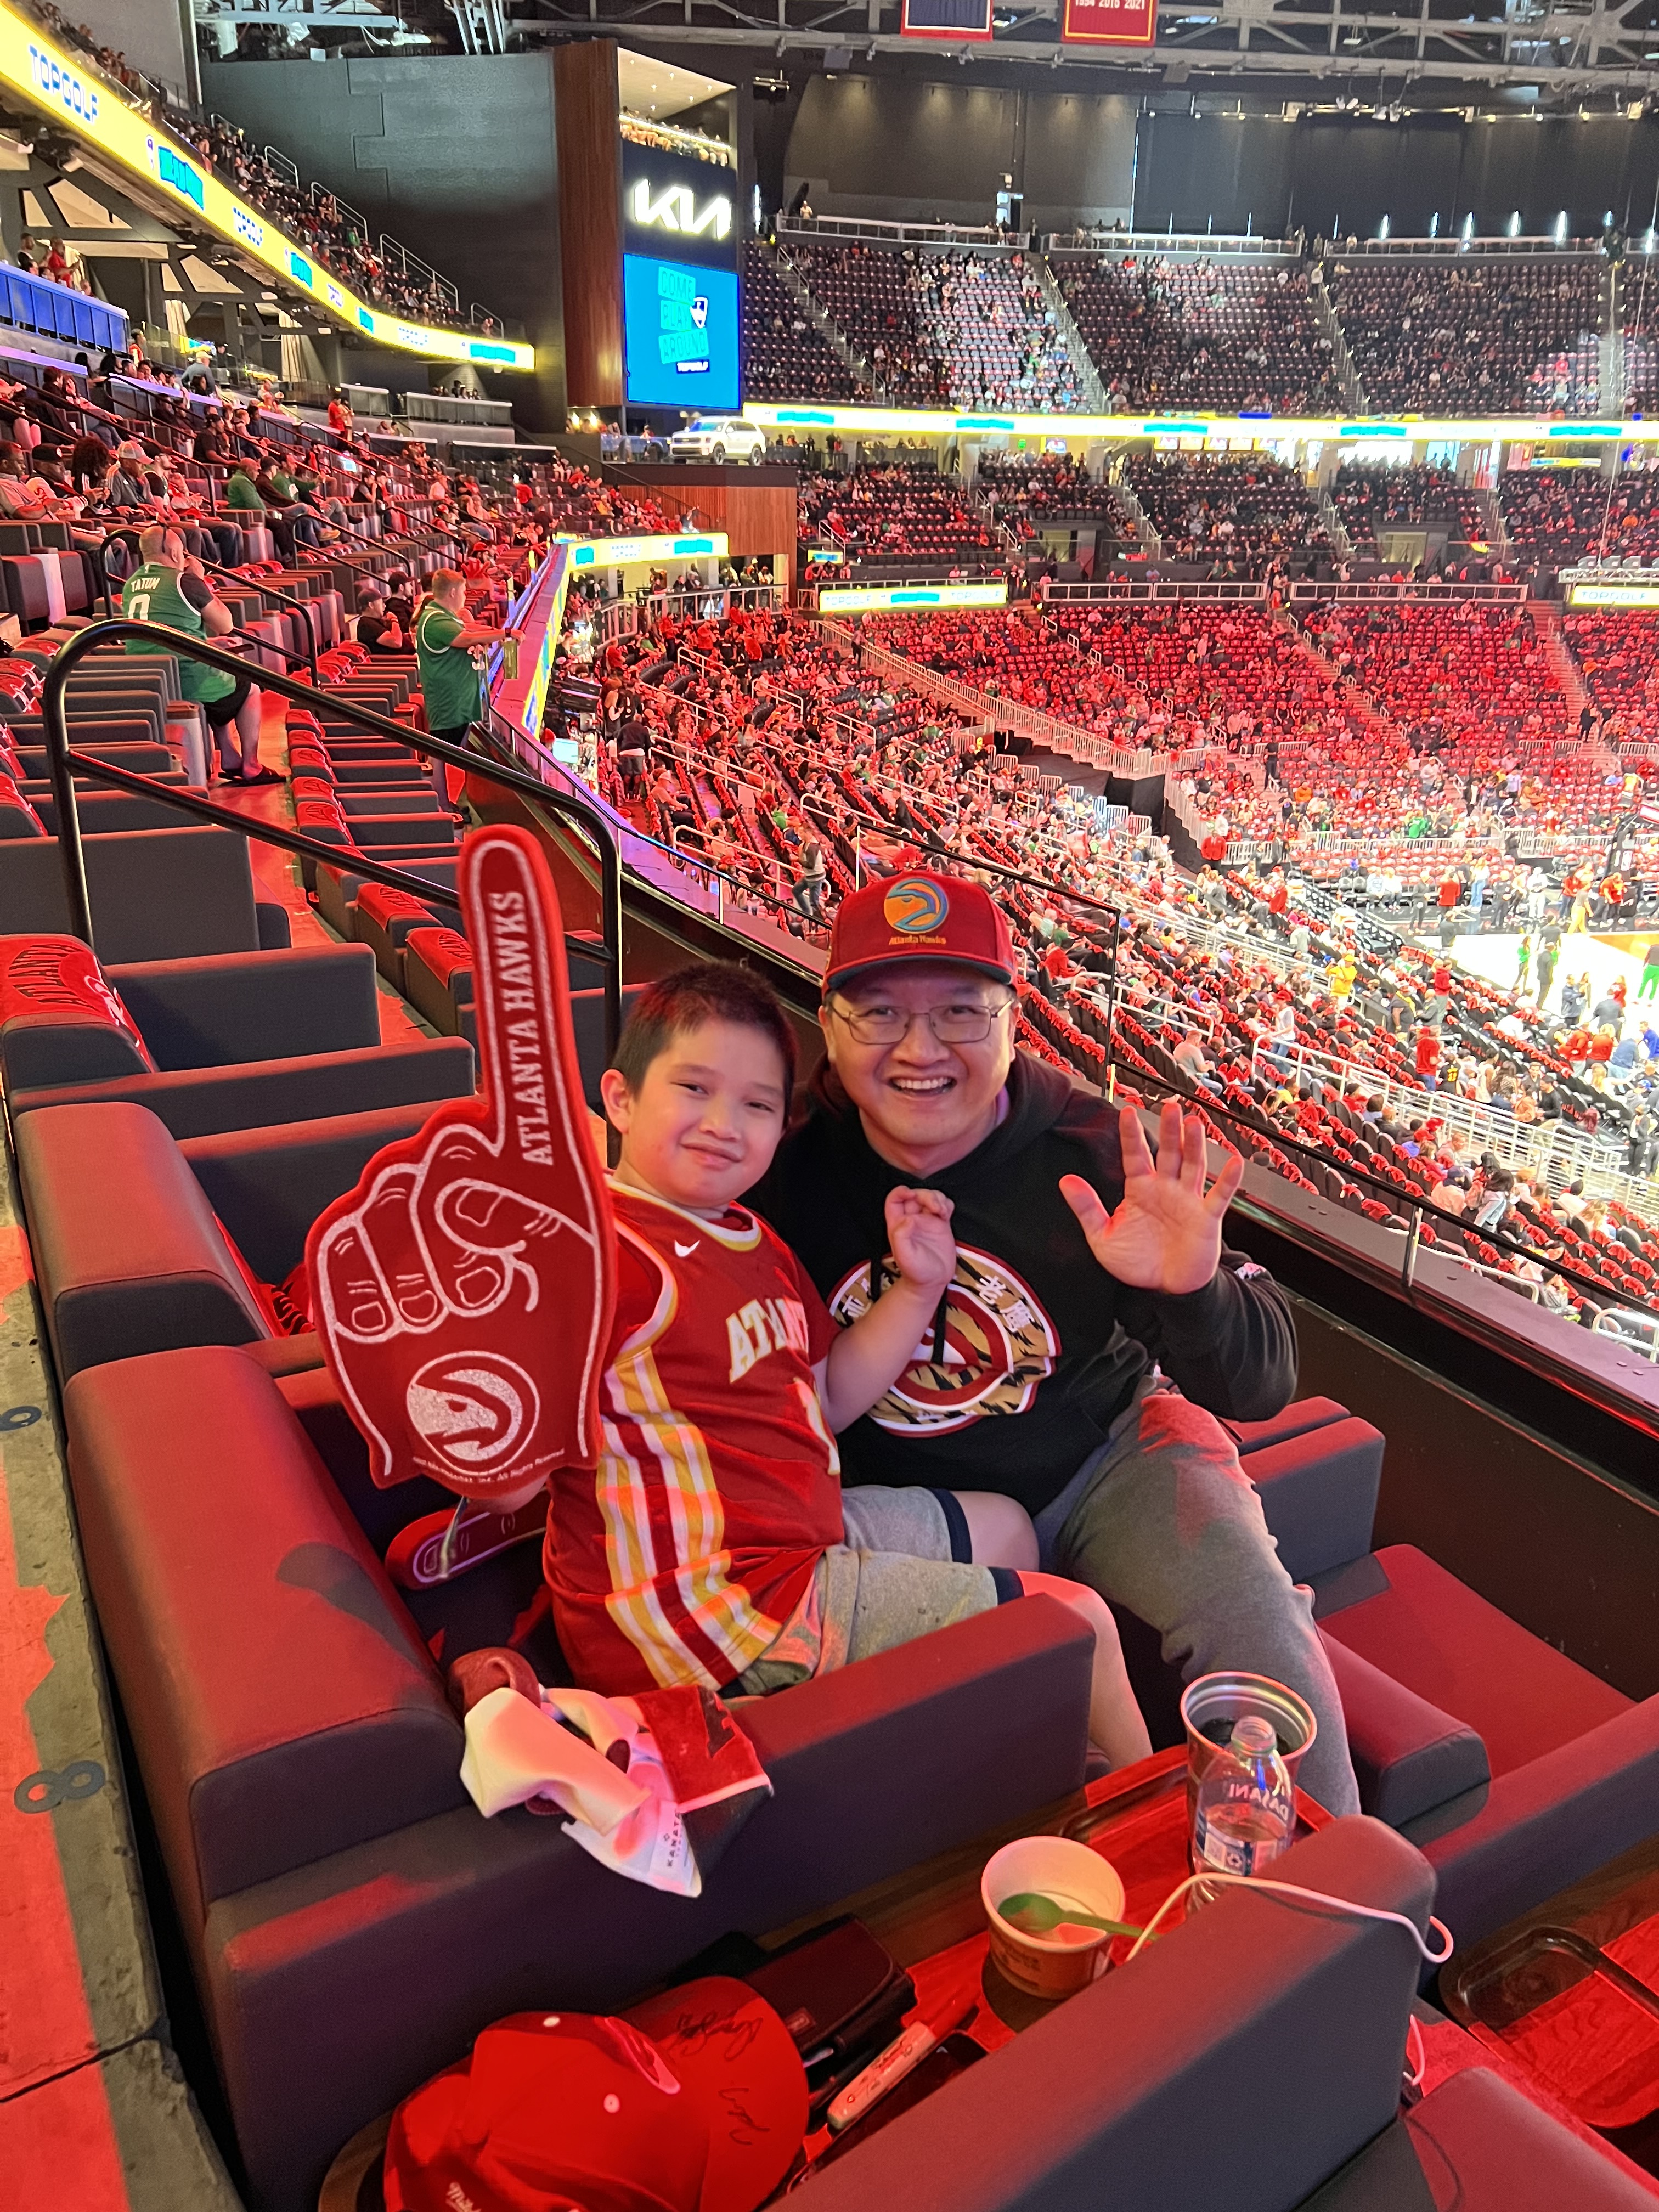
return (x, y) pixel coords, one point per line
(464, 1290)
(472, 1409)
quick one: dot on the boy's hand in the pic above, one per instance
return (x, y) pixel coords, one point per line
(919, 1236)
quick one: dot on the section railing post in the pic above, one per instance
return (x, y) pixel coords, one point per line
(63, 768)
(71, 852)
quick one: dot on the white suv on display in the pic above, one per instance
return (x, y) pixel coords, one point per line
(718, 438)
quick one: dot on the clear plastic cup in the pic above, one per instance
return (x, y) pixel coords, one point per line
(1209, 1707)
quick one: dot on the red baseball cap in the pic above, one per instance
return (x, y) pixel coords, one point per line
(919, 916)
(695, 2101)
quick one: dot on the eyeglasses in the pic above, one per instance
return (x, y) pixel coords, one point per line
(967, 1022)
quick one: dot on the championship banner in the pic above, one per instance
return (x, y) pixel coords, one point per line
(945, 19)
(1108, 22)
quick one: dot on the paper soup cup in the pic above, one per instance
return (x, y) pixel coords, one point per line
(1046, 1966)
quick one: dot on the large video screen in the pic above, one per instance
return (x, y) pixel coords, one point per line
(680, 325)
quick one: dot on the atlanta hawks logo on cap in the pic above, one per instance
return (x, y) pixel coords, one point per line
(999, 1345)
(915, 906)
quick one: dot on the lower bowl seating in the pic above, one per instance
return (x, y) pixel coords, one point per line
(351, 1921)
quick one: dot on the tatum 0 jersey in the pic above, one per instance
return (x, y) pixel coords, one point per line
(681, 1558)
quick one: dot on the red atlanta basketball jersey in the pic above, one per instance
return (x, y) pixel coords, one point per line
(681, 1558)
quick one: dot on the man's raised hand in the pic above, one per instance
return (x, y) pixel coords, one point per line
(1166, 1232)
(464, 1290)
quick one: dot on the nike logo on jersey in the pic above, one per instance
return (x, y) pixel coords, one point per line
(685, 1250)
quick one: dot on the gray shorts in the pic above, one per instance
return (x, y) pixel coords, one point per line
(903, 1568)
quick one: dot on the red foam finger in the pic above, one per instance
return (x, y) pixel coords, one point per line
(466, 1285)
(351, 1284)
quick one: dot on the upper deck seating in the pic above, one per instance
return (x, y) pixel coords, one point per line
(1228, 338)
(786, 357)
(1501, 334)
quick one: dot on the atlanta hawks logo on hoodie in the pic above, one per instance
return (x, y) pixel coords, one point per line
(998, 1346)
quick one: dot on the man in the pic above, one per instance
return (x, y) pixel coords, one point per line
(168, 587)
(444, 644)
(1549, 951)
(377, 631)
(242, 494)
(25, 498)
(1643, 1134)
(1426, 1059)
(282, 504)
(1057, 1369)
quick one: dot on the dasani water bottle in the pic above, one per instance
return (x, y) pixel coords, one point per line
(1246, 1814)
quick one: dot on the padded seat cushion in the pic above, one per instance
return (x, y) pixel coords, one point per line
(387, 916)
(338, 887)
(309, 1086)
(1428, 1630)
(1483, 2146)
(279, 1697)
(1293, 1420)
(445, 956)
(1319, 1490)
(156, 893)
(128, 1256)
(267, 1186)
(60, 1019)
(1408, 1757)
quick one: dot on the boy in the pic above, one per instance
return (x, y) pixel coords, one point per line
(713, 1543)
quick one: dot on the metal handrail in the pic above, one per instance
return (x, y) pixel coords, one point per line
(65, 764)
(283, 598)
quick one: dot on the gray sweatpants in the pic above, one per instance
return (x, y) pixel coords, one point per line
(1163, 1519)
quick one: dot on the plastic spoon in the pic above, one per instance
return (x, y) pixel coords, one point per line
(1035, 1914)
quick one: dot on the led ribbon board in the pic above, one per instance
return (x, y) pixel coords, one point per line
(627, 552)
(935, 423)
(537, 620)
(873, 600)
(1613, 595)
(45, 74)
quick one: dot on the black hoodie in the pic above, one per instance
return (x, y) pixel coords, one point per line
(1035, 1326)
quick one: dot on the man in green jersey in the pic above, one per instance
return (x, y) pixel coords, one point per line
(168, 587)
(450, 685)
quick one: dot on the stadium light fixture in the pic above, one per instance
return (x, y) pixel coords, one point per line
(1561, 227)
